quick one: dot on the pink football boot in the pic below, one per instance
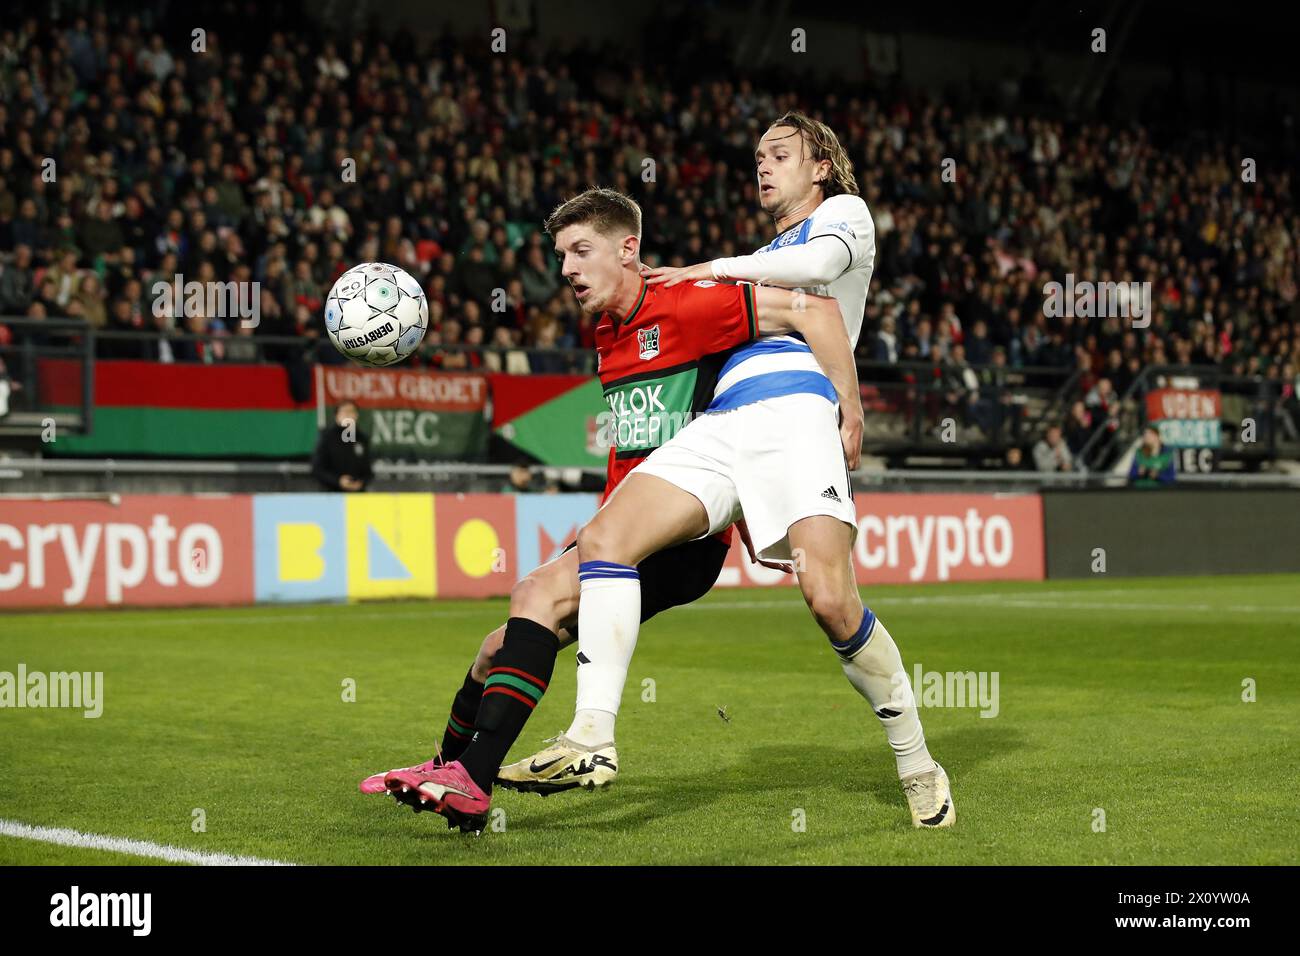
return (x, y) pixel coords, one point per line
(447, 790)
(375, 782)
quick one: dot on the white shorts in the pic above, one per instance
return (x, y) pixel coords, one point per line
(772, 462)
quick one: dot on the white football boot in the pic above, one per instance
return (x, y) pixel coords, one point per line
(562, 766)
(930, 799)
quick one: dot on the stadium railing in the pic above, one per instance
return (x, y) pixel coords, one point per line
(918, 413)
(282, 349)
(44, 477)
(929, 409)
(28, 406)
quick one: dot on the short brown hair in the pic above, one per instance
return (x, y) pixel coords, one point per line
(824, 144)
(606, 210)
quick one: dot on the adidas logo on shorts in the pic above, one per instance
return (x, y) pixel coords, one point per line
(830, 493)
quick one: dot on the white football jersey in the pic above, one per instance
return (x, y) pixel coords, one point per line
(847, 219)
(777, 365)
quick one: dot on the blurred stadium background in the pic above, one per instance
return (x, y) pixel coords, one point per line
(161, 143)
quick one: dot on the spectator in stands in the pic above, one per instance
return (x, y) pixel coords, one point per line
(1289, 400)
(121, 318)
(161, 349)
(7, 387)
(65, 276)
(241, 347)
(979, 348)
(1103, 406)
(504, 357)
(195, 346)
(1051, 454)
(453, 355)
(1153, 464)
(28, 229)
(90, 301)
(995, 406)
(960, 386)
(17, 288)
(36, 311)
(523, 481)
(474, 346)
(1078, 428)
(539, 281)
(341, 461)
(99, 234)
(886, 347)
(546, 360)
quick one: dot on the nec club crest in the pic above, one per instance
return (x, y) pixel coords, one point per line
(647, 341)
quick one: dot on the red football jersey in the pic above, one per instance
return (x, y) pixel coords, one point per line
(659, 363)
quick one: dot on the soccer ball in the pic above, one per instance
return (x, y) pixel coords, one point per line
(376, 314)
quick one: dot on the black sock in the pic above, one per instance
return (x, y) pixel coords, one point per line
(460, 723)
(515, 684)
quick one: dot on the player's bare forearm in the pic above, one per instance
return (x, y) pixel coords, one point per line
(818, 320)
(826, 336)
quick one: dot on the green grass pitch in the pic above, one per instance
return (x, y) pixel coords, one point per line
(1123, 696)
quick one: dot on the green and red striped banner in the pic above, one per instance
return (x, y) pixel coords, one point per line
(183, 410)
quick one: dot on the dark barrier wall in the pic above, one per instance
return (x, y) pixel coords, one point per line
(1172, 531)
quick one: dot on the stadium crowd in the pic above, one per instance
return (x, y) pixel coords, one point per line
(235, 164)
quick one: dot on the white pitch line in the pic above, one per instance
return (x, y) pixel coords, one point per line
(63, 836)
(1118, 606)
(1012, 601)
(1024, 599)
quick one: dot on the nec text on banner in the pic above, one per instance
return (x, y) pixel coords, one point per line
(411, 414)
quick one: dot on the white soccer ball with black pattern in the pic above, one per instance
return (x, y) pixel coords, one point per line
(376, 314)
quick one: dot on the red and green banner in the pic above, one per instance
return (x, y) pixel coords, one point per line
(1186, 417)
(410, 414)
(554, 418)
(183, 410)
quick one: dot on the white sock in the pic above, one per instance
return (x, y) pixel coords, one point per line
(874, 667)
(609, 619)
(592, 728)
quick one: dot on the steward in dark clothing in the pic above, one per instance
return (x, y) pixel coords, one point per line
(341, 461)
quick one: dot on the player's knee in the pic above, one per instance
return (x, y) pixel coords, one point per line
(596, 543)
(835, 612)
(542, 596)
(528, 598)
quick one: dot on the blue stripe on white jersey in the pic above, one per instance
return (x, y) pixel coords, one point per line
(774, 365)
(774, 385)
(769, 345)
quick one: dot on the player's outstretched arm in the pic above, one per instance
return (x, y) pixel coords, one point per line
(818, 320)
(812, 263)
